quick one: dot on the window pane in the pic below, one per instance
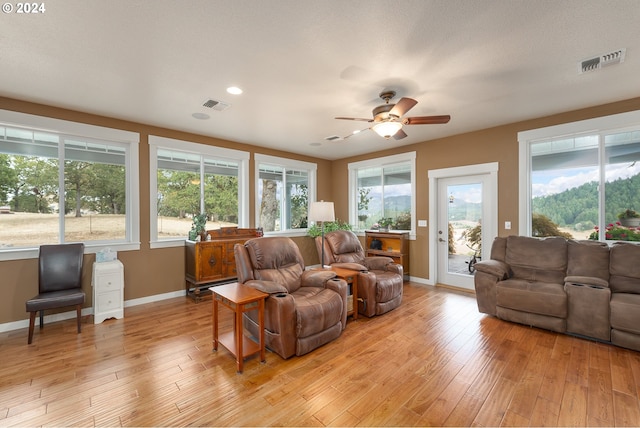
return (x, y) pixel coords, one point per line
(28, 197)
(369, 197)
(283, 197)
(270, 186)
(221, 193)
(397, 195)
(178, 192)
(564, 187)
(622, 186)
(95, 192)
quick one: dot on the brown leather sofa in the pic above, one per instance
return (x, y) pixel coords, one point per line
(305, 308)
(584, 288)
(380, 281)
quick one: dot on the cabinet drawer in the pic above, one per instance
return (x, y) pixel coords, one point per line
(108, 301)
(109, 281)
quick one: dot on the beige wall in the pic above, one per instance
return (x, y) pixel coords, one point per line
(147, 272)
(499, 144)
(150, 272)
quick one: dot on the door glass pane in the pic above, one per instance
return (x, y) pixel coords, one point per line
(464, 215)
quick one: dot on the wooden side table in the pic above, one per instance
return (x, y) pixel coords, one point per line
(351, 277)
(239, 299)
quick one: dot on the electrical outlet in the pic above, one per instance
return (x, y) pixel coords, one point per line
(422, 223)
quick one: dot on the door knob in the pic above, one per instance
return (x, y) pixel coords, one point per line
(441, 240)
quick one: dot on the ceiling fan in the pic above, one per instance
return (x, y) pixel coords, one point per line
(388, 117)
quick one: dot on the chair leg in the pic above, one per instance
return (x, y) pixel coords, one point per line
(41, 319)
(32, 322)
(79, 311)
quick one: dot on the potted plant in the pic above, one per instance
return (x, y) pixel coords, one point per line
(384, 224)
(198, 227)
(629, 218)
(329, 226)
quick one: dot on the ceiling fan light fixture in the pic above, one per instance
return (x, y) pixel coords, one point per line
(387, 129)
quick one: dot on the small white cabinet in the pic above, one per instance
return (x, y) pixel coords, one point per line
(108, 290)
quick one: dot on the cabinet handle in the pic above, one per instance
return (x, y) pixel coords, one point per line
(212, 261)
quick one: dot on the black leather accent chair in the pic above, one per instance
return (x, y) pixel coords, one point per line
(59, 282)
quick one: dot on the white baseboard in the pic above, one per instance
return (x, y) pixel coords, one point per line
(16, 325)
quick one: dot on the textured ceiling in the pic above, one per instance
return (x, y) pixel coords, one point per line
(301, 63)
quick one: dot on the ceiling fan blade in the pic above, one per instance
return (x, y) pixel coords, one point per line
(426, 120)
(399, 135)
(355, 118)
(356, 133)
(403, 106)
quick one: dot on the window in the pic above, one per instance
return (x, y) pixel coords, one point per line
(65, 182)
(284, 188)
(581, 178)
(383, 188)
(188, 179)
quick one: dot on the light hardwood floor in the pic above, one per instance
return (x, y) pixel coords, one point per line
(433, 361)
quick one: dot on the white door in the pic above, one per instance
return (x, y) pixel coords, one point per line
(465, 210)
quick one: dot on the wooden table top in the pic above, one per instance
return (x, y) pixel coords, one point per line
(238, 293)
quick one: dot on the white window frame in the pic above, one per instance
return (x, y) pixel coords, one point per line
(312, 170)
(66, 128)
(241, 157)
(597, 126)
(408, 157)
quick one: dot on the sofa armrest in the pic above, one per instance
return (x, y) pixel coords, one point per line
(316, 277)
(352, 266)
(587, 280)
(496, 268)
(268, 287)
(378, 262)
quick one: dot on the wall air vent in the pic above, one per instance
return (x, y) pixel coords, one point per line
(216, 105)
(610, 58)
(333, 138)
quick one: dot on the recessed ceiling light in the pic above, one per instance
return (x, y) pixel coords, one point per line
(234, 90)
(201, 116)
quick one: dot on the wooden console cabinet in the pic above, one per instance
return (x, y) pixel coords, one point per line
(393, 244)
(212, 261)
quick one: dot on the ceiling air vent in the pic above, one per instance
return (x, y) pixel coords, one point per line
(332, 138)
(216, 105)
(610, 58)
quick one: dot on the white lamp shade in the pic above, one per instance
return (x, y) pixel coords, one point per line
(387, 129)
(321, 211)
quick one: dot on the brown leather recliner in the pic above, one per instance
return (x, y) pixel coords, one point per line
(380, 281)
(305, 308)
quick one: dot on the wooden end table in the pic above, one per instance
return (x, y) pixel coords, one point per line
(351, 277)
(239, 299)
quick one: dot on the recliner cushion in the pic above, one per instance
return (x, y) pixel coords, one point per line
(536, 297)
(625, 312)
(537, 259)
(587, 258)
(346, 248)
(624, 268)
